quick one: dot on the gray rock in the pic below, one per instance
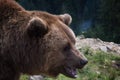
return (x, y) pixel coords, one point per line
(103, 48)
(97, 44)
(36, 77)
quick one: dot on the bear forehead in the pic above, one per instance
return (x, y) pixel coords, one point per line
(53, 21)
(64, 30)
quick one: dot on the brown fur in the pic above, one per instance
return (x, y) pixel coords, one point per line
(34, 42)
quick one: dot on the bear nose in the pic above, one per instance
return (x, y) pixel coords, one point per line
(83, 62)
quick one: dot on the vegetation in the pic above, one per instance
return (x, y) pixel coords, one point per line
(101, 66)
(106, 25)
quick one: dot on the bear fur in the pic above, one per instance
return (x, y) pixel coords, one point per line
(36, 42)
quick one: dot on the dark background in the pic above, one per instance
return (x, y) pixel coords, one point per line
(92, 18)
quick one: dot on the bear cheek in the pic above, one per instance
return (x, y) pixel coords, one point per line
(53, 64)
(54, 60)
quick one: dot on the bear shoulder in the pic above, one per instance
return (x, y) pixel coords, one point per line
(8, 8)
(12, 4)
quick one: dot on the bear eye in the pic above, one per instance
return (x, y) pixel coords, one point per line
(67, 47)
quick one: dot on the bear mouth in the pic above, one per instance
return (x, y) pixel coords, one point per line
(65, 70)
(70, 72)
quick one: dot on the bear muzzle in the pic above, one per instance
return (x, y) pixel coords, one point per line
(71, 71)
(81, 64)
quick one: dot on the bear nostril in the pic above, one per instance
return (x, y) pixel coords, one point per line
(83, 62)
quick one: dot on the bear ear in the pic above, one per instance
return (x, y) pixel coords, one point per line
(66, 18)
(37, 27)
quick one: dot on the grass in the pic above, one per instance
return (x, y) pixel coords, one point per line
(101, 66)
(24, 77)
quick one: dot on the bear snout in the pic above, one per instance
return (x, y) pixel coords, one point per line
(81, 63)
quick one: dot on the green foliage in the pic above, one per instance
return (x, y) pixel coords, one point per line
(110, 19)
(107, 24)
(95, 32)
(101, 66)
(24, 77)
(86, 50)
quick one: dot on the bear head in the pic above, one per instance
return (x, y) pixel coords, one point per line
(36, 42)
(55, 44)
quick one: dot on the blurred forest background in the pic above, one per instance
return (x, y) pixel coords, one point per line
(92, 18)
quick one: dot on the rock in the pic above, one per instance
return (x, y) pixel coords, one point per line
(36, 77)
(103, 48)
(97, 44)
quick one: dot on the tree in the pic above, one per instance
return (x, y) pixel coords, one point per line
(107, 26)
(110, 19)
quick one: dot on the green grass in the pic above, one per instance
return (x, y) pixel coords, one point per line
(24, 77)
(101, 66)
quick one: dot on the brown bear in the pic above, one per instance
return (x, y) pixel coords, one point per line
(36, 42)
